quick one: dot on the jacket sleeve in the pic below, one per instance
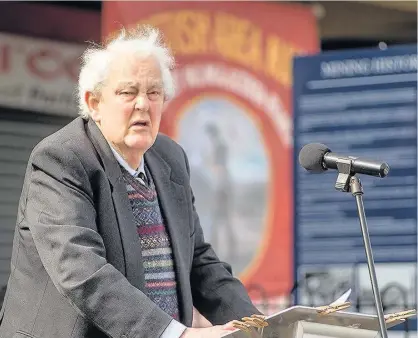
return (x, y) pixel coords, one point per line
(217, 294)
(62, 219)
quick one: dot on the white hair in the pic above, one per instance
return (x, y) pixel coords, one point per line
(96, 61)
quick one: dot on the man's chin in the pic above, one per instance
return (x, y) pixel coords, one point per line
(141, 144)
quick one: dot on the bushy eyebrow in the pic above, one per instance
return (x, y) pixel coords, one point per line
(153, 84)
(126, 84)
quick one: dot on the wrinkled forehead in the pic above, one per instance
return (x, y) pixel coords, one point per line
(132, 70)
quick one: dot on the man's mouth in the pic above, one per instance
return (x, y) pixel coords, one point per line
(141, 123)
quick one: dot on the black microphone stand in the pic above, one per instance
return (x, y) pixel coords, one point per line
(348, 182)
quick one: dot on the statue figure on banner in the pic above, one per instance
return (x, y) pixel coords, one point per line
(222, 222)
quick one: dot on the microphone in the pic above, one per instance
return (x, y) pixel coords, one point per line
(317, 158)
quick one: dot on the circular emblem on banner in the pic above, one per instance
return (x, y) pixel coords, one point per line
(234, 133)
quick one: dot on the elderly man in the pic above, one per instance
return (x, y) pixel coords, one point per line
(108, 242)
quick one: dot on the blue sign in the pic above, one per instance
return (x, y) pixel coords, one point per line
(361, 103)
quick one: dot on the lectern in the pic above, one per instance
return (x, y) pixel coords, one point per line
(308, 322)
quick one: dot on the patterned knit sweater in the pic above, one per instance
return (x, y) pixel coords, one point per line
(160, 279)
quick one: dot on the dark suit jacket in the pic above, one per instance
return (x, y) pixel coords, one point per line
(76, 268)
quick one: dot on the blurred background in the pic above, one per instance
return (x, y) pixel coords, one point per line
(255, 82)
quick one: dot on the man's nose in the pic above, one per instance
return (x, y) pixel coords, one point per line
(142, 102)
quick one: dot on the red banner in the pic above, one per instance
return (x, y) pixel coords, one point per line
(232, 114)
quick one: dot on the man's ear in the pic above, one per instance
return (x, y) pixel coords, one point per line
(93, 104)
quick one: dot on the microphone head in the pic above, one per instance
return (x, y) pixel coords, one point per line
(311, 157)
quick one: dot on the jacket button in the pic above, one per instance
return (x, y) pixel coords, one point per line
(124, 336)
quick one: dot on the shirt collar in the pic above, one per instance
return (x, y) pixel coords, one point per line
(123, 163)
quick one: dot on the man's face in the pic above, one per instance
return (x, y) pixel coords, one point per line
(130, 105)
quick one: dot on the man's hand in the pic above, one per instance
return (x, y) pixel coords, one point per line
(247, 323)
(209, 332)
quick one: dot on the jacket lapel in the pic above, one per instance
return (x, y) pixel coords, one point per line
(131, 244)
(174, 208)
